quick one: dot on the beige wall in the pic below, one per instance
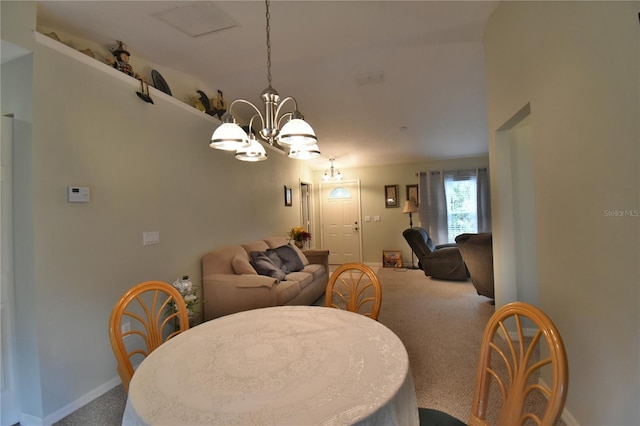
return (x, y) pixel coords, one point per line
(577, 65)
(149, 168)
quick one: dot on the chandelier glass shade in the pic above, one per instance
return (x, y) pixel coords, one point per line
(304, 152)
(229, 137)
(252, 152)
(278, 127)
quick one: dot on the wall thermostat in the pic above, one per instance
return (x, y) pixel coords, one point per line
(78, 194)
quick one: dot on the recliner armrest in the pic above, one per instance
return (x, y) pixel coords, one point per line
(441, 246)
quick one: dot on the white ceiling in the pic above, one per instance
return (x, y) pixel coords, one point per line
(430, 104)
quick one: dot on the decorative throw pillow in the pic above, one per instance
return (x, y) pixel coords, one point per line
(303, 258)
(264, 266)
(291, 262)
(273, 256)
(241, 265)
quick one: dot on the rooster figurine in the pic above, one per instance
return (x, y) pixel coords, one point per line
(219, 107)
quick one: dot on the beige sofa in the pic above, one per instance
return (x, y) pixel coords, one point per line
(230, 282)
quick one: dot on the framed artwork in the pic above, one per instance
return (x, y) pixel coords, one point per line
(391, 196)
(288, 196)
(412, 194)
(391, 259)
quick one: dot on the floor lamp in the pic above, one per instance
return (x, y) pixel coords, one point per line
(410, 207)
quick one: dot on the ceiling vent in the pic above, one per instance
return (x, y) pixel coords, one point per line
(197, 19)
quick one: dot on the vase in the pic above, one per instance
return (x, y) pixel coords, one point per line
(299, 244)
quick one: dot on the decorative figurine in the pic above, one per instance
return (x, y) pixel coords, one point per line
(121, 62)
(217, 106)
(220, 106)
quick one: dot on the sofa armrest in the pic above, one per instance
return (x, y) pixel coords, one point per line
(224, 294)
(319, 257)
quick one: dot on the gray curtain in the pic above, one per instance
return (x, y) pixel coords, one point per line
(484, 200)
(433, 205)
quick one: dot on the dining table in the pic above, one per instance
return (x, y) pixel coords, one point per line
(286, 365)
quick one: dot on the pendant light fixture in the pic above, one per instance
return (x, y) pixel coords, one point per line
(295, 133)
(329, 174)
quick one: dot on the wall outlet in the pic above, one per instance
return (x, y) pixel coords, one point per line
(126, 327)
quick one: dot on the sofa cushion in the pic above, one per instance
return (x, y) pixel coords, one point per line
(255, 246)
(314, 269)
(273, 256)
(264, 266)
(275, 242)
(303, 278)
(219, 261)
(304, 259)
(241, 265)
(286, 290)
(291, 261)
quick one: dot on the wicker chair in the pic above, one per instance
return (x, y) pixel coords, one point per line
(511, 378)
(356, 288)
(159, 313)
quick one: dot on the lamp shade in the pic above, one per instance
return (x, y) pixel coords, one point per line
(229, 137)
(410, 207)
(254, 152)
(297, 132)
(304, 152)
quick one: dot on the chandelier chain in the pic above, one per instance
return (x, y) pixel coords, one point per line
(268, 15)
(295, 132)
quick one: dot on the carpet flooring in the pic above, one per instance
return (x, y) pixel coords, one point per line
(439, 322)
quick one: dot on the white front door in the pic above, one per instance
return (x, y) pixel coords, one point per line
(340, 213)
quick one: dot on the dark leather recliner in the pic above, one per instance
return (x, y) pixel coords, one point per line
(442, 262)
(477, 252)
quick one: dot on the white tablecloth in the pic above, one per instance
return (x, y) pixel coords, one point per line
(298, 365)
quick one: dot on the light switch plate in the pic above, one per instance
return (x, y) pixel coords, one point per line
(152, 237)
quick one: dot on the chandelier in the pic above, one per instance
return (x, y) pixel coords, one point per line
(296, 133)
(329, 175)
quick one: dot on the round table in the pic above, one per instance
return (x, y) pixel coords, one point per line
(288, 365)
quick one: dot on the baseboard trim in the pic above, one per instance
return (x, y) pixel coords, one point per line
(28, 420)
(566, 415)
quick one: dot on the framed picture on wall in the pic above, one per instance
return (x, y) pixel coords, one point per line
(391, 259)
(412, 194)
(288, 196)
(391, 196)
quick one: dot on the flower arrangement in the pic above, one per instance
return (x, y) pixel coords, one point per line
(189, 296)
(298, 233)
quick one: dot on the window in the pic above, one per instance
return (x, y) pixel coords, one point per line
(454, 202)
(339, 192)
(462, 212)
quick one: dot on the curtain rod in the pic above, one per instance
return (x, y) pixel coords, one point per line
(451, 171)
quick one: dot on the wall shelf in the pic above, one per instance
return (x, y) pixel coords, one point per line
(114, 73)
